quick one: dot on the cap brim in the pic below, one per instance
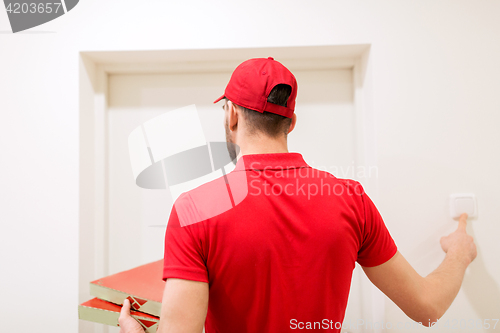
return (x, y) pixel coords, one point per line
(218, 99)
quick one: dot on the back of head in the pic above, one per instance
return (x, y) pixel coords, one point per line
(265, 91)
(267, 123)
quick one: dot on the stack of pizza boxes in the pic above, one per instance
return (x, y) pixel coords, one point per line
(142, 285)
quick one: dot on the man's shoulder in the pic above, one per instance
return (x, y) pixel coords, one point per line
(352, 185)
(347, 182)
(211, 198)
(347, 186)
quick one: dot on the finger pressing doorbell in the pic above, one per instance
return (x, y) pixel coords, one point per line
(463, 203)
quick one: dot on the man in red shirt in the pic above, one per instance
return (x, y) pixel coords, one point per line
(274, 250)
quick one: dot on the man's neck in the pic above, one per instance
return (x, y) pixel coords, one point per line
(262, 145)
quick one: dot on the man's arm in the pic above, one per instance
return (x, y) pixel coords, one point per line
(184, 306)
(183, 309)
(425, 300)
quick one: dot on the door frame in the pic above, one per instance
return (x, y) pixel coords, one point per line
(95, 69)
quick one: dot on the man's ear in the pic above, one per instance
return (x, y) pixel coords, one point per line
(292, 124)
(232, 116)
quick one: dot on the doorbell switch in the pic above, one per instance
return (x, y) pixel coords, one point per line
(463, 203)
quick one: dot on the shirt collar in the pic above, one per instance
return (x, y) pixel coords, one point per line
(278, 161)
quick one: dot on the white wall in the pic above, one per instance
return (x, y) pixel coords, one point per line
(435, 78)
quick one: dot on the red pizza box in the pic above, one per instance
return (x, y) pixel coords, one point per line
(103, 312)
(142, 285)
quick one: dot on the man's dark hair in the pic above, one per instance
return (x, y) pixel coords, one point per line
(269, 123)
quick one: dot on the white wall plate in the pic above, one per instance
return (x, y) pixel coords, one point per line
(463, 203)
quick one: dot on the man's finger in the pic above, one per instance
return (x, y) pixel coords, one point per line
(125, 311)
(462, 222)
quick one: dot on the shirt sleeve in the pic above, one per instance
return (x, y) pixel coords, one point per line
(183, 258)
(377, 245)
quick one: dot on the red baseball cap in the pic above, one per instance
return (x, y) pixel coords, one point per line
(252, 82)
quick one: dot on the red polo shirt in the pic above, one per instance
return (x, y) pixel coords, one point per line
(281, 256)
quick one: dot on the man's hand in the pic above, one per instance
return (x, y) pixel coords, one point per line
(425, 300)
(459, 242)
(127, 323)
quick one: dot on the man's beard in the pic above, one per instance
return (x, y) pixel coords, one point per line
(231, 146)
